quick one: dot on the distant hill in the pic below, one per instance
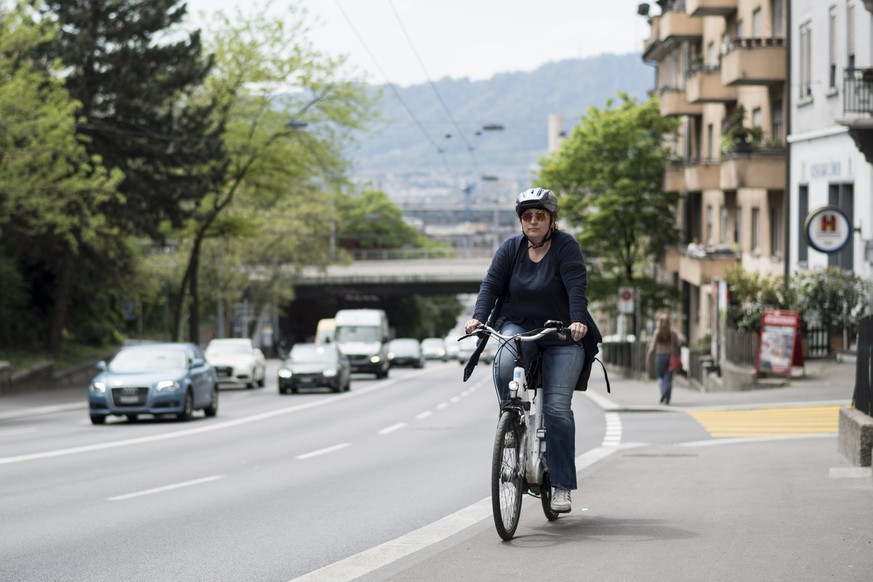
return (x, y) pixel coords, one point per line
(416, 125)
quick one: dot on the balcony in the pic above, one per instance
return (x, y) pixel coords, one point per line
(761, 169)
(858, 109)
(676, 26)
(703, 85)
(652, 49)
(703, 175)
(753, 61)
(699, 271)
(673, 102)
(674, 177)
(710, 7)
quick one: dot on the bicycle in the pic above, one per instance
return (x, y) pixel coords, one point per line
(518, 463)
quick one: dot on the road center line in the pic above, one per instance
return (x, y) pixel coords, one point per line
(392, 428)
(206, 428)
(323, 451)
(166, 488)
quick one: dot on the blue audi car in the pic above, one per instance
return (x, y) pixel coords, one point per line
(157, 378)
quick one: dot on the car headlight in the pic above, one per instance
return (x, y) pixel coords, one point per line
(285, 373)
(375, 359)
(98, 387)
(329, 373)
(165, 385)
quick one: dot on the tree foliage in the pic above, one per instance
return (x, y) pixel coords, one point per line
(134, 84)
(608, 173)
(286, 112)
(52, 191)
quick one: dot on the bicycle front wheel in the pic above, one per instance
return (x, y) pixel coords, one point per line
(507, 475)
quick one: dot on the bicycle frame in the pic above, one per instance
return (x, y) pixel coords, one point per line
(531, 420)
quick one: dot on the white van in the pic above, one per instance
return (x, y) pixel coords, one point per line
(325, 330)
(362, 336)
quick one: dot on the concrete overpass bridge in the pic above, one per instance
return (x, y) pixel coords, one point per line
(385, 274)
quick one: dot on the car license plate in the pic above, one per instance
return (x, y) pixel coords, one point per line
(129, 400)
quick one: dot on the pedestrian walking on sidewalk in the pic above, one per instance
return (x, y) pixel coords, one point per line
(664, 347)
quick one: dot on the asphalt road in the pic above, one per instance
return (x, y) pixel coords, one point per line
(391, 481)
(274, 487)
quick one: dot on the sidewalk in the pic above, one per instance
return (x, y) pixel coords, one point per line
(38, 402)
(824, 382)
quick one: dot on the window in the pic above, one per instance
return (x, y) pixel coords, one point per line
(757, 29)
(709, 238)
(832, 48)
(802, 211)
(843, 197)
(850, 36)
(710, 142)
(775, 231)
(778, 128)
(710, 54)
(738, 227)
(805, 60)
(723, 225)
(741, 29)
(756, 230)
(778, 19)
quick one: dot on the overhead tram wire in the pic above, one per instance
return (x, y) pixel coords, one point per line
(394, 90)
(433, 87)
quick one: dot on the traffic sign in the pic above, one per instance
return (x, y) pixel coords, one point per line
(626, 300)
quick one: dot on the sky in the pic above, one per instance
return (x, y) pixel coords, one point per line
(409, 42)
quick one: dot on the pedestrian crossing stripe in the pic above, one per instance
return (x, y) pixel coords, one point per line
(764, 422)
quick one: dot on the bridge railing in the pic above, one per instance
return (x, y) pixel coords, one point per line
(418, 254)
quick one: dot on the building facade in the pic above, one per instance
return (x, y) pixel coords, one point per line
(721, 68)
(831, 115)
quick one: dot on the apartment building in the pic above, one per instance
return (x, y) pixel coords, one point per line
(721, 69)
(831, 137)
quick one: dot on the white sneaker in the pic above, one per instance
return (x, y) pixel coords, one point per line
(560, 500)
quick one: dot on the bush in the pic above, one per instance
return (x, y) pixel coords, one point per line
(833, 298)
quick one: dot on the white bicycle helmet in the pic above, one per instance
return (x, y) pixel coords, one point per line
(536, 198)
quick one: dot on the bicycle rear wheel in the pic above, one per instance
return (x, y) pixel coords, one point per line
(507, 475)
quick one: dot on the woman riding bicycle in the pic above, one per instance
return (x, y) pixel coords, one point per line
(542, 275)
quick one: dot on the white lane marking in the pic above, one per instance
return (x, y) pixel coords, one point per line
(392, 428)
(323, 451)
(17, 431)
(442, 405)
(370, 560)
(206, 428)
(422, 415)
(455, 399)
(612, 438)
(166, 488)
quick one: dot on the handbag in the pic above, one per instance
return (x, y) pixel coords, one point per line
(675, 363)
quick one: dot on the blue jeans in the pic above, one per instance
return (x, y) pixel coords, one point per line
(562, 365)
(665, 376)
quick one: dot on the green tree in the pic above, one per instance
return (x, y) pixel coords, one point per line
(608, 174)
(286, 111)
(51, 189)
(751, 293)
(370, 220)
(134, 88)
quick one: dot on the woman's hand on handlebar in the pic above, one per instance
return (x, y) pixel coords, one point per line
(577, 330)
(471, 325)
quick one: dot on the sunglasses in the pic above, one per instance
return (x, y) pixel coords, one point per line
(529, 215)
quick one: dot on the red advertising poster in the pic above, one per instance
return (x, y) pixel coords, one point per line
(779, 346)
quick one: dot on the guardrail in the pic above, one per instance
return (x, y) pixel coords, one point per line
(419, 254)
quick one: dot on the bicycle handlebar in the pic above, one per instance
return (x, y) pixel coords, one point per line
(551, 327)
